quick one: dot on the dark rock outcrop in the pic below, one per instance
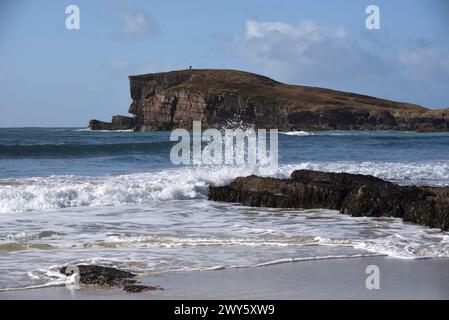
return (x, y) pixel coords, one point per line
(356, 195)
(108, 277)
(117, 123)
(164, 101)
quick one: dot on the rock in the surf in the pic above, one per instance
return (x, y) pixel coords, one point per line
(102, 276)
(118, 123)
(356, 195)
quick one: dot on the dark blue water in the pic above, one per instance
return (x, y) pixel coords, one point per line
(70, 151)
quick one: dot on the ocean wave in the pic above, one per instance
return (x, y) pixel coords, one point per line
(90, 130)
(80, 150)
(54, 192)
(302, 259)
(123, 241)
(395, 246)
(380, 133)
(28, 235)
(298, 133)
(401, 241)
(419, 172)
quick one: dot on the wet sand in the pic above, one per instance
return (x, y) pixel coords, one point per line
(321, 279)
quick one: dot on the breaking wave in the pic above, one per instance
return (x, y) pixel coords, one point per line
(80, 150)
(54, 192)
(298, 133)
(419, 172)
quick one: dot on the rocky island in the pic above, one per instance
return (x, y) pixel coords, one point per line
(352, 194)
(168, 100)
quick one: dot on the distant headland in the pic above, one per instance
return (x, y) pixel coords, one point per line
(169, 100)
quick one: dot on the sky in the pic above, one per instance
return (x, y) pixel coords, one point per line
(54, 77)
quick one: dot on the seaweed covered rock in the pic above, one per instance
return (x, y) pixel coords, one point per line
(102, 276)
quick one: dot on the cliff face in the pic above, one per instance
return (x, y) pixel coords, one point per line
(164, 101)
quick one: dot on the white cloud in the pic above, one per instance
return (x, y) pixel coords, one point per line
(308, 52)
(118, 64)
(271, 40)
(307, 30)
(424, 61)
(136, 21)
(418, 55)
(327, 56)
(260, 29)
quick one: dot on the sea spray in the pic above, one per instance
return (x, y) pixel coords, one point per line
(235, 146)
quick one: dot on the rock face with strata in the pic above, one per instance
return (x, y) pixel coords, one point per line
(356, 195)
(168, 100)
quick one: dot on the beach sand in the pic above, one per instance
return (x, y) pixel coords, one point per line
(319, 279)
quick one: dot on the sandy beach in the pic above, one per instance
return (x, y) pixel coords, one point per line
(321, 279)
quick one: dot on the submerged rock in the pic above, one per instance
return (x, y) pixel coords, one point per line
(108, 277)
(356, 195)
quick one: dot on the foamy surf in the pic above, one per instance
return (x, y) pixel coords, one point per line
(201, 235)
(291, 260)
(298, 133)
(57, 192)
(434, 173)
(90, 130)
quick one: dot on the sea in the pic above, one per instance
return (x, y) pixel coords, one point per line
(114, 198)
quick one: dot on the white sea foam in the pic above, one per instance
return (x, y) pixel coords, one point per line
(424, 172)
(400, 241)
(28, 235)
(392, 246)
(330, 257)
(89, 129)
(54, 192)
(172, 242)
(298, 133)
(202, 235)
(43, 193)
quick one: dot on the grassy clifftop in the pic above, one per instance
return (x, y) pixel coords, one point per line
(168, 100)
(223, 81)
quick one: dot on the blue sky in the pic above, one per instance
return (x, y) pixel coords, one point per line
(51, 76)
